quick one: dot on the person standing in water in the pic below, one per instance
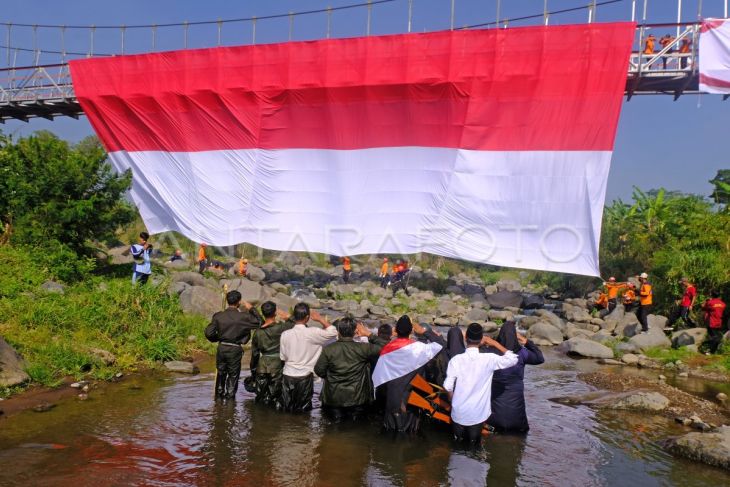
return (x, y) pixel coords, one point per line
(508, 388)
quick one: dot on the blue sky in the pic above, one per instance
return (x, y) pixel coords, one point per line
(660, 142)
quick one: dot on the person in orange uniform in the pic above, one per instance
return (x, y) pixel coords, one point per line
(664, 41)
(601, 303)
(346, 269)
(714, 309)
(685, 48)
(629, 298)
(202, 258)
(242, 265)
(612, 290)
(646, 301)
(384, 275)
(649, 44)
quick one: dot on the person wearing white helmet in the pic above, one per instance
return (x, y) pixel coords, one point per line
(646, 301)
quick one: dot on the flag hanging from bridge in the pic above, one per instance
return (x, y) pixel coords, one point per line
(487, 145)
(715, 56)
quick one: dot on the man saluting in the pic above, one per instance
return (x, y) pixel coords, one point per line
(231, 329)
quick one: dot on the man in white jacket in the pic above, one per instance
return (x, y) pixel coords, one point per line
(469, 383)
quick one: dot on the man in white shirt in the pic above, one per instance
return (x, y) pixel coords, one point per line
(469, 383)
(300, 348)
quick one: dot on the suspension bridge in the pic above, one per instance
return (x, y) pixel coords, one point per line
(35, 81)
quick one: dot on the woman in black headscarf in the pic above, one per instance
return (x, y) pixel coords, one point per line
(508, 389)
(454, 342)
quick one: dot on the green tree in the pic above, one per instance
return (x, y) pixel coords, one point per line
(721, 182)
(53, 193)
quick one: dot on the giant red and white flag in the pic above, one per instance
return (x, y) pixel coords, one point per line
(487, 145)
(715, 56)
(401, 357)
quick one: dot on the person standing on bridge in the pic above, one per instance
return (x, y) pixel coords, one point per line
(649, 44)
(685, 49)
(665, 41)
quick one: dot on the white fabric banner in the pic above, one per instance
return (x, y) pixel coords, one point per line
(715, 56)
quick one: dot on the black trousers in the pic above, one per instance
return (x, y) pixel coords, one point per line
(681, 312)
(468, 434)
(714, 338)
(346, 276)
(203, 265)
(228, 363)
(384, 281)
(268, 389)
(339, 414)
(400, 284)
(611, 304)
(296, 393)
(643, 314)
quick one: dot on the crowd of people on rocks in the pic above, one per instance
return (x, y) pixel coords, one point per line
(367, 373)
(641, 300)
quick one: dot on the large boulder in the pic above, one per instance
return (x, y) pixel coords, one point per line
(447, 308)
(544, 333)
(476, 315)
(176, 288)
(201, 301)
(691, 336)
(577, 315)
(509, 285)
(189, 277)
(711, 448)
(657, 321)
(654, 338)
(251, 292)
(284, 302)
(505, 299)
(551, 317)
(255, 274)
(533, 301)
(585, 348)
(12, 366)
(470, 289)
(641, 400)
(617, 314)
(120, 255)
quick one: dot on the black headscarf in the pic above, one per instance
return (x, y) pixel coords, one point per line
(508, 336)
(454, 342)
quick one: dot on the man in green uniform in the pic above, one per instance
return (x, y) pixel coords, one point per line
(231, 329)
(345, 367)
(266, 365)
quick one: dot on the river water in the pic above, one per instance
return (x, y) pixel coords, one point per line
(167, 431)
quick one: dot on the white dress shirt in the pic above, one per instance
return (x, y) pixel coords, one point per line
(469, 378)
(301, 346)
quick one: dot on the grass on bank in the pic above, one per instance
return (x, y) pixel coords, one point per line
(55, 333)
(719, 361)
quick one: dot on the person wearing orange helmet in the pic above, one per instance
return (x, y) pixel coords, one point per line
(629, 298)
(612, 291)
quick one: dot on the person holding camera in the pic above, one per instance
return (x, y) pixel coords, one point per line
(142, 267)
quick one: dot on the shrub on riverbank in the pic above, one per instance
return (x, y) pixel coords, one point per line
(56, 333)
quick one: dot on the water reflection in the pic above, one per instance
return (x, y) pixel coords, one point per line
(171, 432)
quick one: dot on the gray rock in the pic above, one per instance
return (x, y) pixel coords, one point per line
(251, 292)
(255, 274)
(630, 359)
(12, 366)
(609, 361)
(120, 255)
(176, 288)
(577, 315)
(189, 277)
(378, 310)
(504, 299)
(585, 348)
(44, 407)
(105, 356)
(657, 321)
(284, 302)
(691, 336)
(201, 301)
(490, 326)
(476, 315)
(447, 308)
(626, 347)
(176, 264)
(572, 331)
(551, 317)
(509, 285)
(544, 333)
(471, 289)
(490, 289)
(654, 338)
(494, 314)
(616, 315)
(181, 367)
(710, 448)
(645, 401)
(453, 290)
(602, 337)
(721, 396)
(525, 322)
(53, 287)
